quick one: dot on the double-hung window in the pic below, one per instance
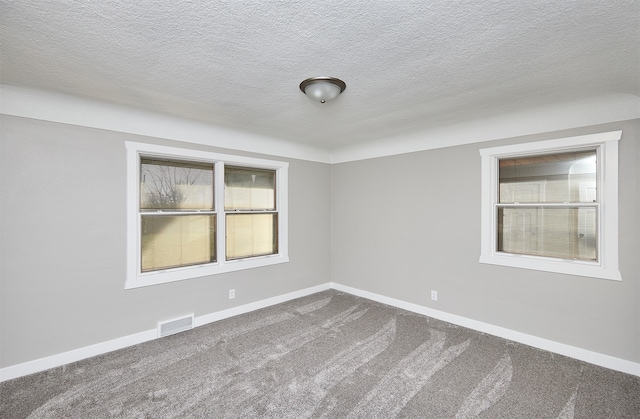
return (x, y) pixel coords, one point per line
(177, 214)
(193, 213)
(250, 212)
(552, 205)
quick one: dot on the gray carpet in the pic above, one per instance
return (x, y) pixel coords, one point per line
(328, 355)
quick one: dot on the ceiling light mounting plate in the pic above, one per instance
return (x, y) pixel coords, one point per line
(323, 88)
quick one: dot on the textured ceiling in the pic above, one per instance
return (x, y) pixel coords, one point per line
(409, 65)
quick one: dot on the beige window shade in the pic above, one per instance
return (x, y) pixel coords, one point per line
(176, 240)
(250, 235)
(171, 241)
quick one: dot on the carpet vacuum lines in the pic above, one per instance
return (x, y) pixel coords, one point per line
(402, 383)
(200, 387)
(326, 355)
(300, 397)
(489, 391)
(568, 412)
(96, 394)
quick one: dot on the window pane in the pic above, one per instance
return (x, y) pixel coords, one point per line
(175, 185)
(567, 233)
(170, 241)
(558, 178)
(251, 235)
(249, 189)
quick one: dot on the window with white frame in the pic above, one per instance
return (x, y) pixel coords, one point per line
(552, 205)
(194, 213)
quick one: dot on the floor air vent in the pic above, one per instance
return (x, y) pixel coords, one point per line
(174, 326)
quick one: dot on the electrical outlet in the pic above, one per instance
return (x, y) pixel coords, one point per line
(434, 295)
(232, 294)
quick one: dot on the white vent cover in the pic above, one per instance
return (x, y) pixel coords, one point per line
(173, 326)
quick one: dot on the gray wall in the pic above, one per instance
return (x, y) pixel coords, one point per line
(399, 226)
(63, 227)
(408, 224)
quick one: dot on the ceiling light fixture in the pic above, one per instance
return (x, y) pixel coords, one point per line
(322, 89)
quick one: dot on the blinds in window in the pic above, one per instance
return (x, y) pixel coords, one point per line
(548, 205)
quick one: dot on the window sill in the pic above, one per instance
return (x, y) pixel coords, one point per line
(138, 151)
(561, 266)
(607, 267)
(179, 274)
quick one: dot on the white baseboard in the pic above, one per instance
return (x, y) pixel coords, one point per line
(53, 361)
(235, 311)
(595, 358)
(58, 360)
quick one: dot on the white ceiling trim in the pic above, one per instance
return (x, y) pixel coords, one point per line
(593, 111)
(54, 107)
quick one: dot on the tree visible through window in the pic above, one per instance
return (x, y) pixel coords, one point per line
(193, 213)
(177, 214)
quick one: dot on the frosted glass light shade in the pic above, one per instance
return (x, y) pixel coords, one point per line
(323, 89)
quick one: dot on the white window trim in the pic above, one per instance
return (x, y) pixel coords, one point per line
(136, 278)
(607, 265)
